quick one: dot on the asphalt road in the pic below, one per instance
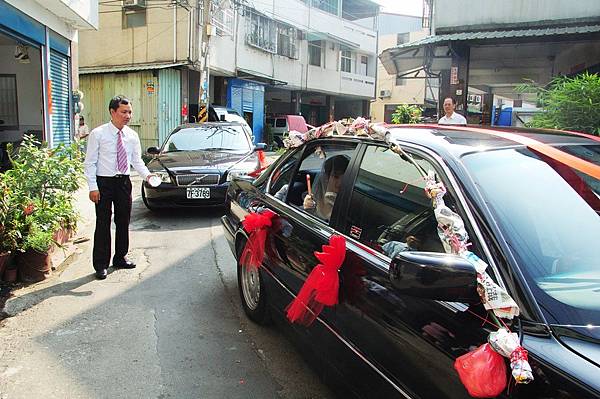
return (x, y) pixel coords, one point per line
(171, 328)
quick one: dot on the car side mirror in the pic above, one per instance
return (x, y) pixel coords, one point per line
(260, 147)
(433, 275)
(153, 150)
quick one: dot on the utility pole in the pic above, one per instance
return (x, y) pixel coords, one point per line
(204, 100)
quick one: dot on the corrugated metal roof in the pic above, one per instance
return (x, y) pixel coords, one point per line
(500, 34)
(126, 68)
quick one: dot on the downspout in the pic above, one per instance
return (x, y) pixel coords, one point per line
(175, 31)
(189, 55)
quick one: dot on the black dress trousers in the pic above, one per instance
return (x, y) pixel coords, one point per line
(115, 193)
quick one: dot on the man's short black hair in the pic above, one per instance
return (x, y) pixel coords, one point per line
(116, 101)
(451, 99)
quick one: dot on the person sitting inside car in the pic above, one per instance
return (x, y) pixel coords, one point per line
(326, 187)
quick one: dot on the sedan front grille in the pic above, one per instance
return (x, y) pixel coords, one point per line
(198, 179)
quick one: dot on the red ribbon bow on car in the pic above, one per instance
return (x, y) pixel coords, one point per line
(256, 225)
(322, 284)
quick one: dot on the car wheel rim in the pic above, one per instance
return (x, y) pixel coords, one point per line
(251, 287)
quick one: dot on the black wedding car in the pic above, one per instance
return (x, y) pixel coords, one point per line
(196, 163)
(402, 321)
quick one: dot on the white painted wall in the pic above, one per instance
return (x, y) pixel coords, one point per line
(452, 13)
(226, 57)
(29, 90)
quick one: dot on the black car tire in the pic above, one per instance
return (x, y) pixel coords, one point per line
(150, 207)
(255, 306)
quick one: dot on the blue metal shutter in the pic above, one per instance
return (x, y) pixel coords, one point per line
(61, 116)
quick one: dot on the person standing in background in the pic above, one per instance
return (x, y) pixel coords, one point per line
(111, 149)
(451, 117)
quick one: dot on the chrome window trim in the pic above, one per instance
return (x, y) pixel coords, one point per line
(464, 205)
(383, 258)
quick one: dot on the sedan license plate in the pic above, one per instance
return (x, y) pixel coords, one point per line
(197, 192)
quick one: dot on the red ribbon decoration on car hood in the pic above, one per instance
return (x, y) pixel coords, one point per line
(322, 284)
(256, 224)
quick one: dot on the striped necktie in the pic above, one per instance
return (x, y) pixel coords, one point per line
(121, 154)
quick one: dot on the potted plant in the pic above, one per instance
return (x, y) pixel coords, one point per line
(43, 181)
(10, 233)
(34, 264)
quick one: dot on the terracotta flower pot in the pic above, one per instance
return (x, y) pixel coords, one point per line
(5, 260)
(33, 266)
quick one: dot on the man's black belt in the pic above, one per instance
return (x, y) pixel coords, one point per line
(119, 176)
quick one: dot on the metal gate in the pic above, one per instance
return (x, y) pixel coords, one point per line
(61, 119)
(169, 102)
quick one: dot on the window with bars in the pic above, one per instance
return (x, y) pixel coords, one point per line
(346, 61)
(261, 32)
(286, 41)
(9, 114)
(315, 48)
(222, 19)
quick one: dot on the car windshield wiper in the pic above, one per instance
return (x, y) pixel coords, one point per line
(219, 149)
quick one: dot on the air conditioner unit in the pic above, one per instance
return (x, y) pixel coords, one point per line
(134, 4)
(385, 93)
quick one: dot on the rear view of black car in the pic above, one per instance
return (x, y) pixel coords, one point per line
(196, 163)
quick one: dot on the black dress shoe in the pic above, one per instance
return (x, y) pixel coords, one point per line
(101, 274)
(125, 264)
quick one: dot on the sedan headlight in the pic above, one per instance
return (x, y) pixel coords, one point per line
(164, 176)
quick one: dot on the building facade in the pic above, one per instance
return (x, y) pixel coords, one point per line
(391, 91)
(313, 58)
(38, 67)
(483, 51)
(270, 57)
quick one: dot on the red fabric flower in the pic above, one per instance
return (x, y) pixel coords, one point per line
(256, 225)
(322, 284)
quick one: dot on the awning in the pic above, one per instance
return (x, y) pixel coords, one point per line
(128, 68)
(258, 77)
(332, 38)
(410, 56)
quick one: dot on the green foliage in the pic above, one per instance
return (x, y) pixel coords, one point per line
(407, 114)
(569, 103)
(10, 220)
(39, 194)
(38, 239)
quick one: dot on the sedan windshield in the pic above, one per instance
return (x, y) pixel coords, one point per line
(549, 214)
(208, 138)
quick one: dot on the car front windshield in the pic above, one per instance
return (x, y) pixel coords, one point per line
(549, 214)
(208, 138)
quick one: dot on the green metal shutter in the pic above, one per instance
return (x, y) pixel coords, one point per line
(169, 102)
(61, 117)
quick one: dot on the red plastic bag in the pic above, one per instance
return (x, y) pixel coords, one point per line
(482, 371)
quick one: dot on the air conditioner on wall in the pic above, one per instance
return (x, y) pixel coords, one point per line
(385, 93)
(134, 4)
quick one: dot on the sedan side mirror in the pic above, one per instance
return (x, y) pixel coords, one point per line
(260, 147)
(153, 150)
(433, 275)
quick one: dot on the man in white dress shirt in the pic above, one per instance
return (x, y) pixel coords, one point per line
(111, 149)
(451, 117)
